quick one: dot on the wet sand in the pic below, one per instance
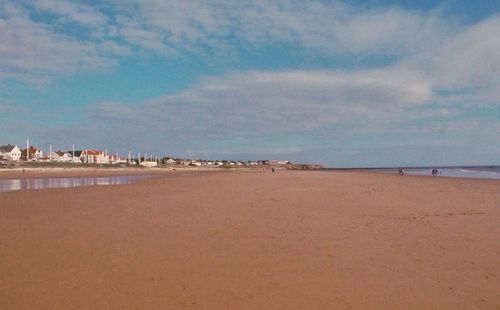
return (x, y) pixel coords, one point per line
(258, 240)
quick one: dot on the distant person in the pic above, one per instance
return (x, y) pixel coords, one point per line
(401, 171)
(273, 170)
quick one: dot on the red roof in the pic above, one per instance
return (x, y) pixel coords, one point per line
(94, 152)
(33, 150)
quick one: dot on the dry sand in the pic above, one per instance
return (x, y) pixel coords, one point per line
(288, 240)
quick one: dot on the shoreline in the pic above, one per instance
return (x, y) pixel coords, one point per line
(17, 173)
(468, 172)
(360, 171)
(58, 172)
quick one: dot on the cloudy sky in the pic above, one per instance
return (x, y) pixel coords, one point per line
(343, 83)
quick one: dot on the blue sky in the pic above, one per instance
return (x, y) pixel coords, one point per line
(343, 83)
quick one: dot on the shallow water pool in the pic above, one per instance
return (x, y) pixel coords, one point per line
(8, 185)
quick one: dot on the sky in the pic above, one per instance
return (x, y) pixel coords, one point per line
(341, 83)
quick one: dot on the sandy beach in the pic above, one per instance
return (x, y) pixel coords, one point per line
(255, 240)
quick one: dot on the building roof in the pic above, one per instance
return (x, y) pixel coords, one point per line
(94, 152)
(77, 153)
(7, 148)
(33, 150)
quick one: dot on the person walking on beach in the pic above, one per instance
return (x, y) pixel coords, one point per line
(401, 171)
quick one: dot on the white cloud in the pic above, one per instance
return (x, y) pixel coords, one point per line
(470, 59)
(261, 102)
(460, 127)
(465, 67)
(391, 32)
(171, 28)
(31, 50)
(316, 25)
(146, 39)
(113, 48)
(174, 23)
(73, 11)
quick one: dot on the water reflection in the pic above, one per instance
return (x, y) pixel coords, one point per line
(28, 184)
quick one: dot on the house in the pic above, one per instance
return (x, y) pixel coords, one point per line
(149, 164)
(61, 157)
(170, 161)
(94, 157)
(117, 159)
(76, 156)
(34, 154)
(10, 152)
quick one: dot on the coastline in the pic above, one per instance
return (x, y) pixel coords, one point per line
(55, 172)
(17, 173)
(454, 172)
(291, 239)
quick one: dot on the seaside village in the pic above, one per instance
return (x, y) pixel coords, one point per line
(13, 155)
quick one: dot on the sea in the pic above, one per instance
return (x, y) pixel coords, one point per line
(473, 172)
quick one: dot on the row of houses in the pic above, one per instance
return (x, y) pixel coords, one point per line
(222, 163)
(14, 153)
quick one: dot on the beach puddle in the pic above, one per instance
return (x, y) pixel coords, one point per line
(9, 185)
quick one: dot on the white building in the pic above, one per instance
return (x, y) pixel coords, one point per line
(117, 159)
(76, 156)
(39, 154)
(94, 157)
(149, 164)
(170, 161)
(11, 152)
(61, 157)
(34, 154)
